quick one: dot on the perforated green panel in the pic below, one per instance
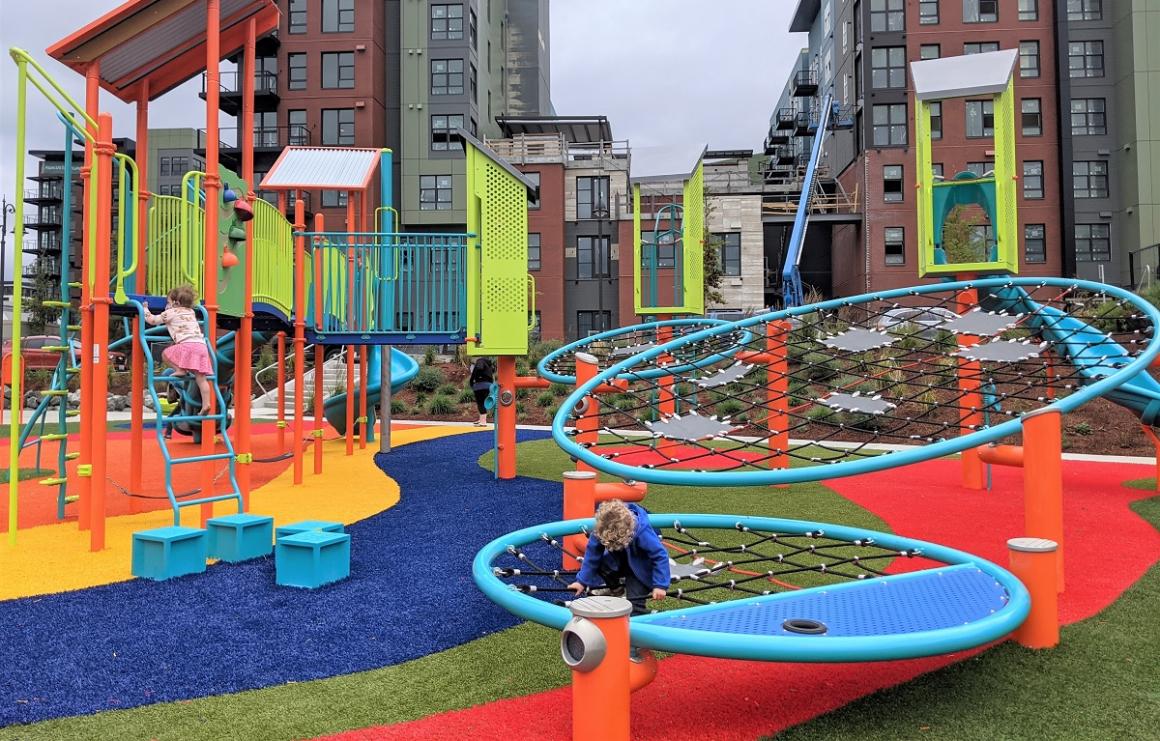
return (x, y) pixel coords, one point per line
(693, 237)
(497, 257)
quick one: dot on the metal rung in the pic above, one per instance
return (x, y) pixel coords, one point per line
(201, 458)
(54, 348)
(53, 481)
(72, 370)
(74, 327)
(54, 392)
(74, 284)
(72, 412)
(195, 418)
(57, 304)
(55, 436)
(71, 456)
(71, 498)
(207, 500)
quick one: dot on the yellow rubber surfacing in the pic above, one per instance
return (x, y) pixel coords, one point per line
(55, 558)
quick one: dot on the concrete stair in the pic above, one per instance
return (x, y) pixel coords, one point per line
(333, 379)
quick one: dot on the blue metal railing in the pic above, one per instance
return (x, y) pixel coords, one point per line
(791, 278)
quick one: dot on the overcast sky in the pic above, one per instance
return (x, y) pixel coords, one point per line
(671, 75)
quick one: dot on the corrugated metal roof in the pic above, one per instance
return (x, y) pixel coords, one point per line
(332, 168)
(961, 77)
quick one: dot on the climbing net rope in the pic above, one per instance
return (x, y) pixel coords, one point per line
(844, 380)
(710, 566)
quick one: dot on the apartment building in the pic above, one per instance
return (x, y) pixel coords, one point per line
(1086, 203)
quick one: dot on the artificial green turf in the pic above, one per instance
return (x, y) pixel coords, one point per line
(1102, 682)
(26, 473)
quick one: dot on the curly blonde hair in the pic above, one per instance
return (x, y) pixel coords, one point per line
(615, 525)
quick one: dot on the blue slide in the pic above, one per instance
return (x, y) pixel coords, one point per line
(403, 369)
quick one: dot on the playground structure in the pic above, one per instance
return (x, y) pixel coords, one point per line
(366, 287)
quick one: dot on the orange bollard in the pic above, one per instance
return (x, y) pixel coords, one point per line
(595, 645)
(579, 503)
(1043, 480)
(1034, 561)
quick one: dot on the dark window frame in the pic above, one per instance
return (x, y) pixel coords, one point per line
(891, 74)
(984, 131)
(1085, 10)
(1093, 242)
(441, 191)
(1035, 234)
(887, 16)
(334, 63)
(1095, 122)
(586, 322)
(293, 82)
(535, 254)
(1033, 189)
(936, 119)
(441, 27)
(892, 190)
(980, 11)
(441, 131)
(925, 15)
(1091, 52)
(980, 47)
(593, 257)
(297, 16)
(443, 83)
(589, 190)
(337, 16)
(334, 118)
(729, 253)
(1028, 10)
(894, 246)
(1037, 128)
(1029, 59)
(1089, 179)
(890, 125)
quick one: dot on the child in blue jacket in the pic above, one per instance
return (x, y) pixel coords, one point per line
(625, 553)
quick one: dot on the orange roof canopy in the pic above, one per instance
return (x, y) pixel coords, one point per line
(158, 42)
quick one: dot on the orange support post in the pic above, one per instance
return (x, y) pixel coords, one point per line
(579, 503)
(351, 267)
(505, 416)
(281, 390)
(666, 399)
(971, 414)
(244, 339)
(777, 393)
(1043, 479)
(1049, 370)
(601, 681)
(103, 154)
(1035, 562)
(299, 337)
(588, 424)
(350, 350)
(363, 414)
(137, 416)
(212, 184)
(363, 353)
(137, 355)
(88, 401)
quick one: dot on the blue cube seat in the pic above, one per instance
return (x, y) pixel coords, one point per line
(307, 525)
(168, 552)
(312, 559)
(240, 537)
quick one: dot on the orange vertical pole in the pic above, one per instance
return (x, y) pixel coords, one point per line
(88, 407)
(351, 323)
(666, 399)
(299, 338)
(319, 350)
(281, 390)
(588, 424)
(103, 158)
(777, 392)
(970, 413)
(1035, 562)
(1043, 479)
(601, 695)
(1049, 369)
(363, 411)
(244, 339)
(505, 415)
(212, 185)
(579, 503)
(137, 356)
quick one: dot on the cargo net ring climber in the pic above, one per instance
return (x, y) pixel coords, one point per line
(844, 380)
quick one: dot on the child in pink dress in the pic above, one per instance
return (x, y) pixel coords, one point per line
(188, 353)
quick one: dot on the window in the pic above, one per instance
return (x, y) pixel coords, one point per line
(297, 16)
(892, 183)
(936, 169)
(887, 15)
(446, 22)
(1085, 58)
(935, 120)
(1028, 10)
(297, 65)
(895, 238)
(299, 133)
(927, 12)
(1085, 10)
(474, 34)
(533, 202)
(592, 257)
(729, 252)
(980, 11)
(337, 16)
(1033, 180)
(442, 126)
(338, 69)
(1032, 117)
(1093, 243)
(888, 67)
(1088, 117)
(591, 322)
(447, 77)
(265, 129)
(666, 253)
(980, 118)
(1029, 59)
(592, 198)
(163, 163)
(337, 127)
(1034, 243)
(474, 86)
(533, 252)
(980, 47)
(981, 169)
(1089, 179)
(929, 51)
(890, 125)
(434, 192)
(180, 165)
(334, 199)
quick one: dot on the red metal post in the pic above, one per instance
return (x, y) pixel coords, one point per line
(1043, 479)
(319, 350)
(244, 340)
(103, 154)
(505, 416)
(88, 415)
(212, 185)
(970, 412)
(299, 337)
(137, 356)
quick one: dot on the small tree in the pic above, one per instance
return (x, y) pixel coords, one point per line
(962, 237)
(712, 268)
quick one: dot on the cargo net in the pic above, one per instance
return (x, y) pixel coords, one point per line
(712, 565)
(845, 383)
(614, 347)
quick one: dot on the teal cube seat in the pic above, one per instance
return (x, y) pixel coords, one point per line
(168, 552)
(240, 537)
(312, 559)
(307, 525)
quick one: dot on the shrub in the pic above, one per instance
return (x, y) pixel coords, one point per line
(441, 405)
(428, 379)
(559, 389)
(398, 406)
(818, 366)
(429, 356)
(448, 389)
(522, 367)
(728, 408)
(520, 408)
(1083, 429)
(466, 396)
(546, 399)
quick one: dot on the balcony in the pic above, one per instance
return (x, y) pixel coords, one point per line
(774, 139)
(804, 124)
(784, 155)
(267, 140)
(785, 118)
(44, 218)
(230, 91)
(805, 83)
(46, 194)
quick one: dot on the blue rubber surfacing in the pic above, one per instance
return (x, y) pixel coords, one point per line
(410, 594)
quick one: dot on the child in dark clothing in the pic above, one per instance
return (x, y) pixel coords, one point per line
(625, 553)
